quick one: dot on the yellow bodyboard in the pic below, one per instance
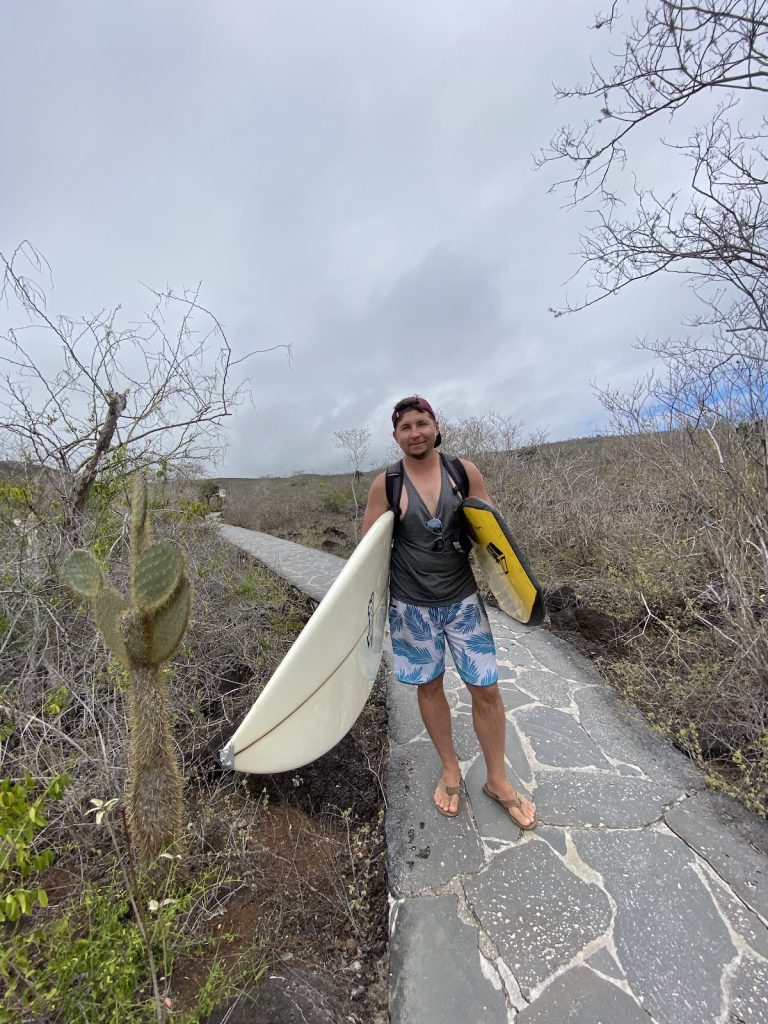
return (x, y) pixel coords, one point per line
(509, 576)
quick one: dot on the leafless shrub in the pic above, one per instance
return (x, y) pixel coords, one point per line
(716, 527)
(355, 443)
(705, 60)
(697, 562)
(84, 398)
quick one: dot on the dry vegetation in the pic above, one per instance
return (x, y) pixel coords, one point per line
(652, 549)
(285, 870)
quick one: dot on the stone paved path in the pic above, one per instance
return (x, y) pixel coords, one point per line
(641, 897)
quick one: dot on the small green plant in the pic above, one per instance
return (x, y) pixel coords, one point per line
(57, 701)
(14, 497)
(90, 963)
(192, 509)
(22, 818)
(143, 634)
(365, 846)
(333, 500)
(249, 585)
(753, 771)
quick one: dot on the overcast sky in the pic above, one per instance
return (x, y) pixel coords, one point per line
(353, 178)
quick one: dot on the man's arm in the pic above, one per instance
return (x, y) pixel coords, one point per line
(477, 487)
(377, 503)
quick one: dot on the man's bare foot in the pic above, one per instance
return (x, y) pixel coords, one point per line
(521, 811)
(447, 792)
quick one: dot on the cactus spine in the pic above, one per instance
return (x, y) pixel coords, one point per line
(142, 635)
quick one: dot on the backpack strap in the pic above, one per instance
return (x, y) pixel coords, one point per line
(458, 474)
(393, 481)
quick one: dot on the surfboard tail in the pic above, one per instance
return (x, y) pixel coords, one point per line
(227, 756)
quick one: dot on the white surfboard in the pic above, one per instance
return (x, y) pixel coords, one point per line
(322, 684)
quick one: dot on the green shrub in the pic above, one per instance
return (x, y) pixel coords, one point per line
(14, 498)
(207, 489)
(190, 510)
(89, 965)
(22, 818)
(333, 500)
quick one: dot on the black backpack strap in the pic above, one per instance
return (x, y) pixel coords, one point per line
(456, 471)
(394, 485)
(393, 481)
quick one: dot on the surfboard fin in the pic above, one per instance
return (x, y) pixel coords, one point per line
(227, 756)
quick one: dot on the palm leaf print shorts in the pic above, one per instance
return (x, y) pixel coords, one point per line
(419, 636)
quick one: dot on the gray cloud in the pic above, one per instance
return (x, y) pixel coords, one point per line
(354, 180)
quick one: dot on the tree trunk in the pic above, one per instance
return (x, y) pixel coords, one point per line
(87, 477)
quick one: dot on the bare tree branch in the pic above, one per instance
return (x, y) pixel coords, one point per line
(83, 397)
(715, 234)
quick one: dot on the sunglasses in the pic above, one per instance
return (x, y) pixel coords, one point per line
(435, 526)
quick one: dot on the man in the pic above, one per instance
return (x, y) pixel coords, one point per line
(434, 600)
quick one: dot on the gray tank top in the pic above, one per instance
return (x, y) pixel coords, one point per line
(420, 574)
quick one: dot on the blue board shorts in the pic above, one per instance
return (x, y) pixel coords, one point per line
(419, 636)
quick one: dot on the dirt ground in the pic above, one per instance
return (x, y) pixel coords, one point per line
(308, 851)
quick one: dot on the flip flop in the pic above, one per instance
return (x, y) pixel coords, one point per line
(508, 806)
(449, 791)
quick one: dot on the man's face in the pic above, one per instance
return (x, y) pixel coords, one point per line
(416, 433)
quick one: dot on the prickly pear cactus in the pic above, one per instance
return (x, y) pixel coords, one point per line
(143, 634)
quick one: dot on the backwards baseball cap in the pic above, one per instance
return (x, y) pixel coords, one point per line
(414, 403)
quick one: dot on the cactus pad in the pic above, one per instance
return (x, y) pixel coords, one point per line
(107, 611)
(83, 574)
(158, 573)
(141, 532)
(139, 506)
(169, 624)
